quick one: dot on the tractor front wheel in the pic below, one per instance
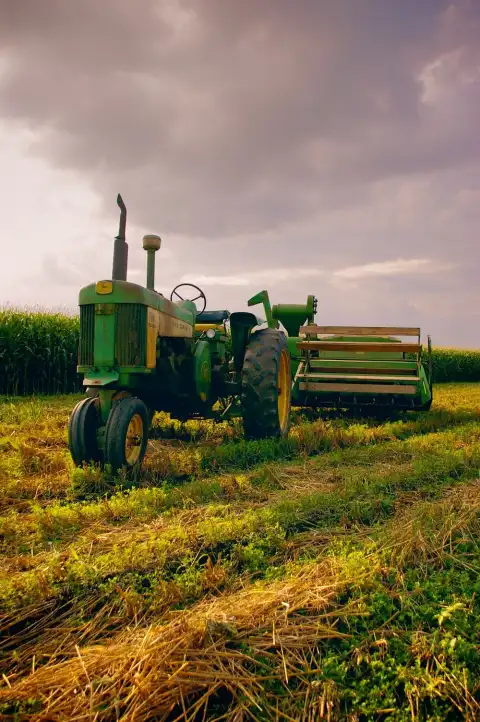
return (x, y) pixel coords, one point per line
(82, 432)
(266, 386)
(126, 434)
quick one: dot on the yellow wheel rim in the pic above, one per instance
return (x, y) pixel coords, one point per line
(284, 390)
(134, 439)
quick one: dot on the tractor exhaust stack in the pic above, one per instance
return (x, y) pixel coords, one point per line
(120, 250)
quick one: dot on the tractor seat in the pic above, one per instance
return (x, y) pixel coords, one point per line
(212, 317)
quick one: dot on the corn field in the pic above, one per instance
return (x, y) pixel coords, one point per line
(38, 352)
(38, 355)
(454, 364)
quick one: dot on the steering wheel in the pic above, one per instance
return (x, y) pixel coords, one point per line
(200, 295)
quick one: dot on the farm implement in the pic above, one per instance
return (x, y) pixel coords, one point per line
(366, 368)
(140, 352)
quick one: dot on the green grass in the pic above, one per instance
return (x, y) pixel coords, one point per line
(359, 497)
(330, 577)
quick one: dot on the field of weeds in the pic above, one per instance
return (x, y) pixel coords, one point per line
(333, 576)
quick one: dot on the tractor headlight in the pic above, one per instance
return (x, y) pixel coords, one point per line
(210, 333)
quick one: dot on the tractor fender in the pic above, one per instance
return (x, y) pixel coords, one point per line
(241, 325)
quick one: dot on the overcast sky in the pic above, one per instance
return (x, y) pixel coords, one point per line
(304, 146)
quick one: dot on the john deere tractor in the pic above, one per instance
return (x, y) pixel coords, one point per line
(141, 352)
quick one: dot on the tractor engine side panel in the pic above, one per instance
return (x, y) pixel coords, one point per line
(162, 324)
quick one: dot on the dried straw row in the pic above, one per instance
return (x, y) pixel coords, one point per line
(198, 655)
(224, 654)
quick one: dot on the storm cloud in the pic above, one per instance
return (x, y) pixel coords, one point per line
(322, 136)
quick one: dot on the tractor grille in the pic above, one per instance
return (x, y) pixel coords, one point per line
(87, 321)
(131, 334)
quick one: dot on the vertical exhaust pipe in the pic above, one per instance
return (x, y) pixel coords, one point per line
(120, 249)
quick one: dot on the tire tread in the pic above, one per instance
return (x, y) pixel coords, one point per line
(259, 395)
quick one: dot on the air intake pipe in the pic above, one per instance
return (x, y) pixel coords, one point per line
(120, 249)
(151, 244)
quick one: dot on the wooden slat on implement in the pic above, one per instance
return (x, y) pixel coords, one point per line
(371, 346)
(358, 388)
(360, 377)
(406, 373)
(361, 330)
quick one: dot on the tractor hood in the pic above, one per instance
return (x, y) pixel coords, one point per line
(113, 292)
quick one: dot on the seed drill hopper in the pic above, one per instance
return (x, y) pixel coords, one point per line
(366, 367)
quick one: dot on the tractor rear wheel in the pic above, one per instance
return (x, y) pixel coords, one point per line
(266, 386)
(82, 432)
(126, 434)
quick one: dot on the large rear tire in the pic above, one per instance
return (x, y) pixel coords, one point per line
(126, 434)
(266, 386)
(82, 432)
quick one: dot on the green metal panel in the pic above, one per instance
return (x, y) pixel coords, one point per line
(426, 392)
(263, 297)
(104, 349)
(293, 315)
(203, 369)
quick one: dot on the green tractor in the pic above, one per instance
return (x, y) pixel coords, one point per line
(140, 352)
(368, 369)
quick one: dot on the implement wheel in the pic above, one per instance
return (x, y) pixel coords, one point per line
(266, 386)
(126, 434)
(82, 432)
